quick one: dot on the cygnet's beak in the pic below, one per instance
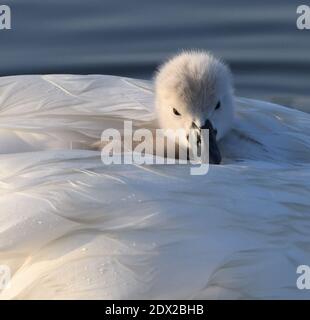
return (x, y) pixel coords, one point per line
(214, 151)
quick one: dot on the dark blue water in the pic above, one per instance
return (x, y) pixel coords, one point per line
(269, 56)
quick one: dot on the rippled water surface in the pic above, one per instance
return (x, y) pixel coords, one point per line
(269, 57)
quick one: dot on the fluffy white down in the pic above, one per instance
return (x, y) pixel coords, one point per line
(72, 227)
(193, 83)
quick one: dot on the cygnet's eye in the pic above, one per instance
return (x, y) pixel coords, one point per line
(218, 105)
(176, 112)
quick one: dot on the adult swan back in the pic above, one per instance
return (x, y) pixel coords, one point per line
(72, 227)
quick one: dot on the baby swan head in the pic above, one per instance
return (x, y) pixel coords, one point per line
(194, 91)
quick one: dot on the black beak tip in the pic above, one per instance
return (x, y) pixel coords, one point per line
(214, 152)
(216, 160)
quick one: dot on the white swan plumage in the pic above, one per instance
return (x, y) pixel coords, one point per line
(194, 91)
(72, 227)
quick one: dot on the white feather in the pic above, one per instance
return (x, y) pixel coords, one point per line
(72, 227)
